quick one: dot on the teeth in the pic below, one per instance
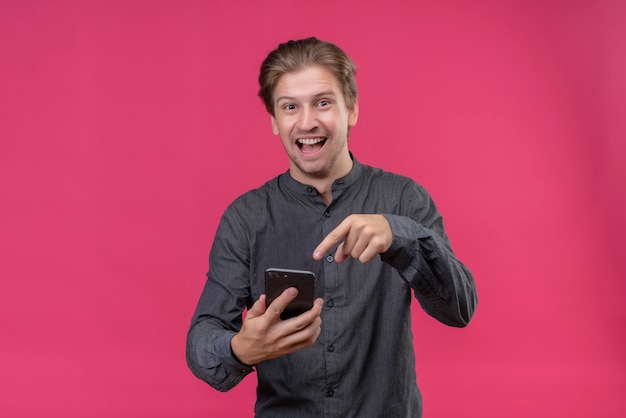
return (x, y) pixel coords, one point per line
(310, 141)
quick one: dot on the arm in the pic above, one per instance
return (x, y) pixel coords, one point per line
(220, 348)
(210, 358)
(218, 315)
(222, 358)
(414, 242)
(442, 284)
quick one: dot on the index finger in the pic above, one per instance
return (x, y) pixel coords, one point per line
(279, 304)
(333, 238)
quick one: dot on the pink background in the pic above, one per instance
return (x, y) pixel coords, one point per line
(127, 127)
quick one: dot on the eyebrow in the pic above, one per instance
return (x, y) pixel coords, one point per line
(328, 93)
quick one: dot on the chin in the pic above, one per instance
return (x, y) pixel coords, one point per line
(312, 170)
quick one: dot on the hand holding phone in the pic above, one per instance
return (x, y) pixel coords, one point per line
(263, 336)
(278, 280)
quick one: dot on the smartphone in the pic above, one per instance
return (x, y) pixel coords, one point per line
(278, 280)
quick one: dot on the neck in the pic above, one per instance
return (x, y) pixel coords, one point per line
(324, 185)
(325, 189)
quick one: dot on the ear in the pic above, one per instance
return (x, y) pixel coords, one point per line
(353, 114)
(274, 126)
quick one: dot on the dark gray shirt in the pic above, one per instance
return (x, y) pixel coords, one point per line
(362, 364)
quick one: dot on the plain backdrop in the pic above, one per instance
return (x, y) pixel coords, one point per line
(127, 127)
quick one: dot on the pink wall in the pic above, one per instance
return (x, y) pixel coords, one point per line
(127, 127)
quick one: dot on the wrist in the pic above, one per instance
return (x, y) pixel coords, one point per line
(236, 352)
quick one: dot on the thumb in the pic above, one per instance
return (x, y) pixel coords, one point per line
(258, 308)
(340, 256)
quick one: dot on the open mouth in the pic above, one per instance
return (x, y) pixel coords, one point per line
(311, 145)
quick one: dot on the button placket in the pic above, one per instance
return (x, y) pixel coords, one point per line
(333, 286)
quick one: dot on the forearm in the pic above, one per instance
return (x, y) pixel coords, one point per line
(210, 358)
(442, 284)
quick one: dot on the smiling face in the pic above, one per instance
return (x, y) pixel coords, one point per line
(312, 119)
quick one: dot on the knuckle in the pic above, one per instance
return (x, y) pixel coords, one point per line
(334, 236)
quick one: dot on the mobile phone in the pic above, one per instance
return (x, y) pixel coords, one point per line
(278, 280)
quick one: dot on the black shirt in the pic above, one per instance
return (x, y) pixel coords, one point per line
(362, 364)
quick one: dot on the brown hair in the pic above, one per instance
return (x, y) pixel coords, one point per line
(295, 55)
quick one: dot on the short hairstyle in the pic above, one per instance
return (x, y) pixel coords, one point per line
(295, 55)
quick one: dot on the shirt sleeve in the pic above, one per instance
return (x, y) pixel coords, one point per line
(210, 357)
(218, 316)
(422, 255)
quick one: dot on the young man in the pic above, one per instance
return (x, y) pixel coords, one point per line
(371, 237)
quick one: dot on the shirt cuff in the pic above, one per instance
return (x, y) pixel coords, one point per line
(229, 361)
(409, 238)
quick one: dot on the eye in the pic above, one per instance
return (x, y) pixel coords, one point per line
(289, 106)
(323, 103)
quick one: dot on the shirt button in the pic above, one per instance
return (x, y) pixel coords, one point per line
(330, 258)
(331, 348)
(327, 213)
(330, 303)
(309, 189)
(330, 392)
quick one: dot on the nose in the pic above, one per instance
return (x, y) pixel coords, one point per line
(307, 120)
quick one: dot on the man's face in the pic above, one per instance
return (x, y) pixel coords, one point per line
(312, 119)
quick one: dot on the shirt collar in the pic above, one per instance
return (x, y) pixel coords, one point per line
(339, 184)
